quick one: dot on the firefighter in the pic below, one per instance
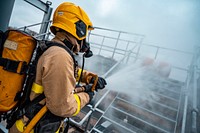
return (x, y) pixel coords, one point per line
(57, 74)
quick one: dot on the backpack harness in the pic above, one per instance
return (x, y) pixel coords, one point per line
(27, 69)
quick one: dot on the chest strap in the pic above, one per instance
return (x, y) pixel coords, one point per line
(19, 67)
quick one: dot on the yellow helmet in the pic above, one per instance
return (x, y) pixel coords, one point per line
(71, 18)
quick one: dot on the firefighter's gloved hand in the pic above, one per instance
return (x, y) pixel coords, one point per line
(101, 83)
(91, 95)
(88, 90)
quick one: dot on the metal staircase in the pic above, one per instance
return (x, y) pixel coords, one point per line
(174, 106)
(168, 111)
(133, 114)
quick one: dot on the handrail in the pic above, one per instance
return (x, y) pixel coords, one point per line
(119, 31)
(32, 25)
(191, 79)
(137, 44)
(170, 49)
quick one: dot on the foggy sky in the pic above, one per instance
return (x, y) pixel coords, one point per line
(168, 23)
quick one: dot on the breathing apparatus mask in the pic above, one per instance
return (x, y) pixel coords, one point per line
(84, 45)
(81, 29)
(85, 48)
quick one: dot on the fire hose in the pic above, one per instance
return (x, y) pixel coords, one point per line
(82, 89)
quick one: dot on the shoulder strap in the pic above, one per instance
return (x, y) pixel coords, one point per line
(37, 99)
(50, 44)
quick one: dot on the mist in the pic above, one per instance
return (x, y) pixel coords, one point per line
(165, 23)
(136, 80)
(140, 86)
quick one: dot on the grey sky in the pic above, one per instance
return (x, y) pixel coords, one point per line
(167, 23)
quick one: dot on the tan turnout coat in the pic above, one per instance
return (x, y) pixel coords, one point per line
(55, 73)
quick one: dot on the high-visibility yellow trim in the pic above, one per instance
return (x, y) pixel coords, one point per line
(79, 74)
(58, 130)
(37, 88)
(61, 127)
(78, 104)
(35, 119)
(20, 126)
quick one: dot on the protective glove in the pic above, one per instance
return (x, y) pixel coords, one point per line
(101, 83)
(88, 90)
(91, 95)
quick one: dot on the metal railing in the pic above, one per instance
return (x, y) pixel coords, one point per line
(111, 41)
(192, 95)
(131, 49)
(137, 54)
(101, 45)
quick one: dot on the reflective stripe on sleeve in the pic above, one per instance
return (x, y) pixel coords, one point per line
(78, 104)
(61, 127)
(37, 88)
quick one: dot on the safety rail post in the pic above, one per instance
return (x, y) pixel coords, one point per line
(101, 44)
(129, 54)
(25, 28)
(45, 7)
(116, 45)
(127, 51)
(194, 94)
(48, 31)
(128, 42)
(44, 27)
(194, 104)
(139, 46)
(156, 52)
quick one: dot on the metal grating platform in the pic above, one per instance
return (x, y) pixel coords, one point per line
(132, 114)
(167, 111)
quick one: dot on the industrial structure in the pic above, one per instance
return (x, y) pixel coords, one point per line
(174, 104)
